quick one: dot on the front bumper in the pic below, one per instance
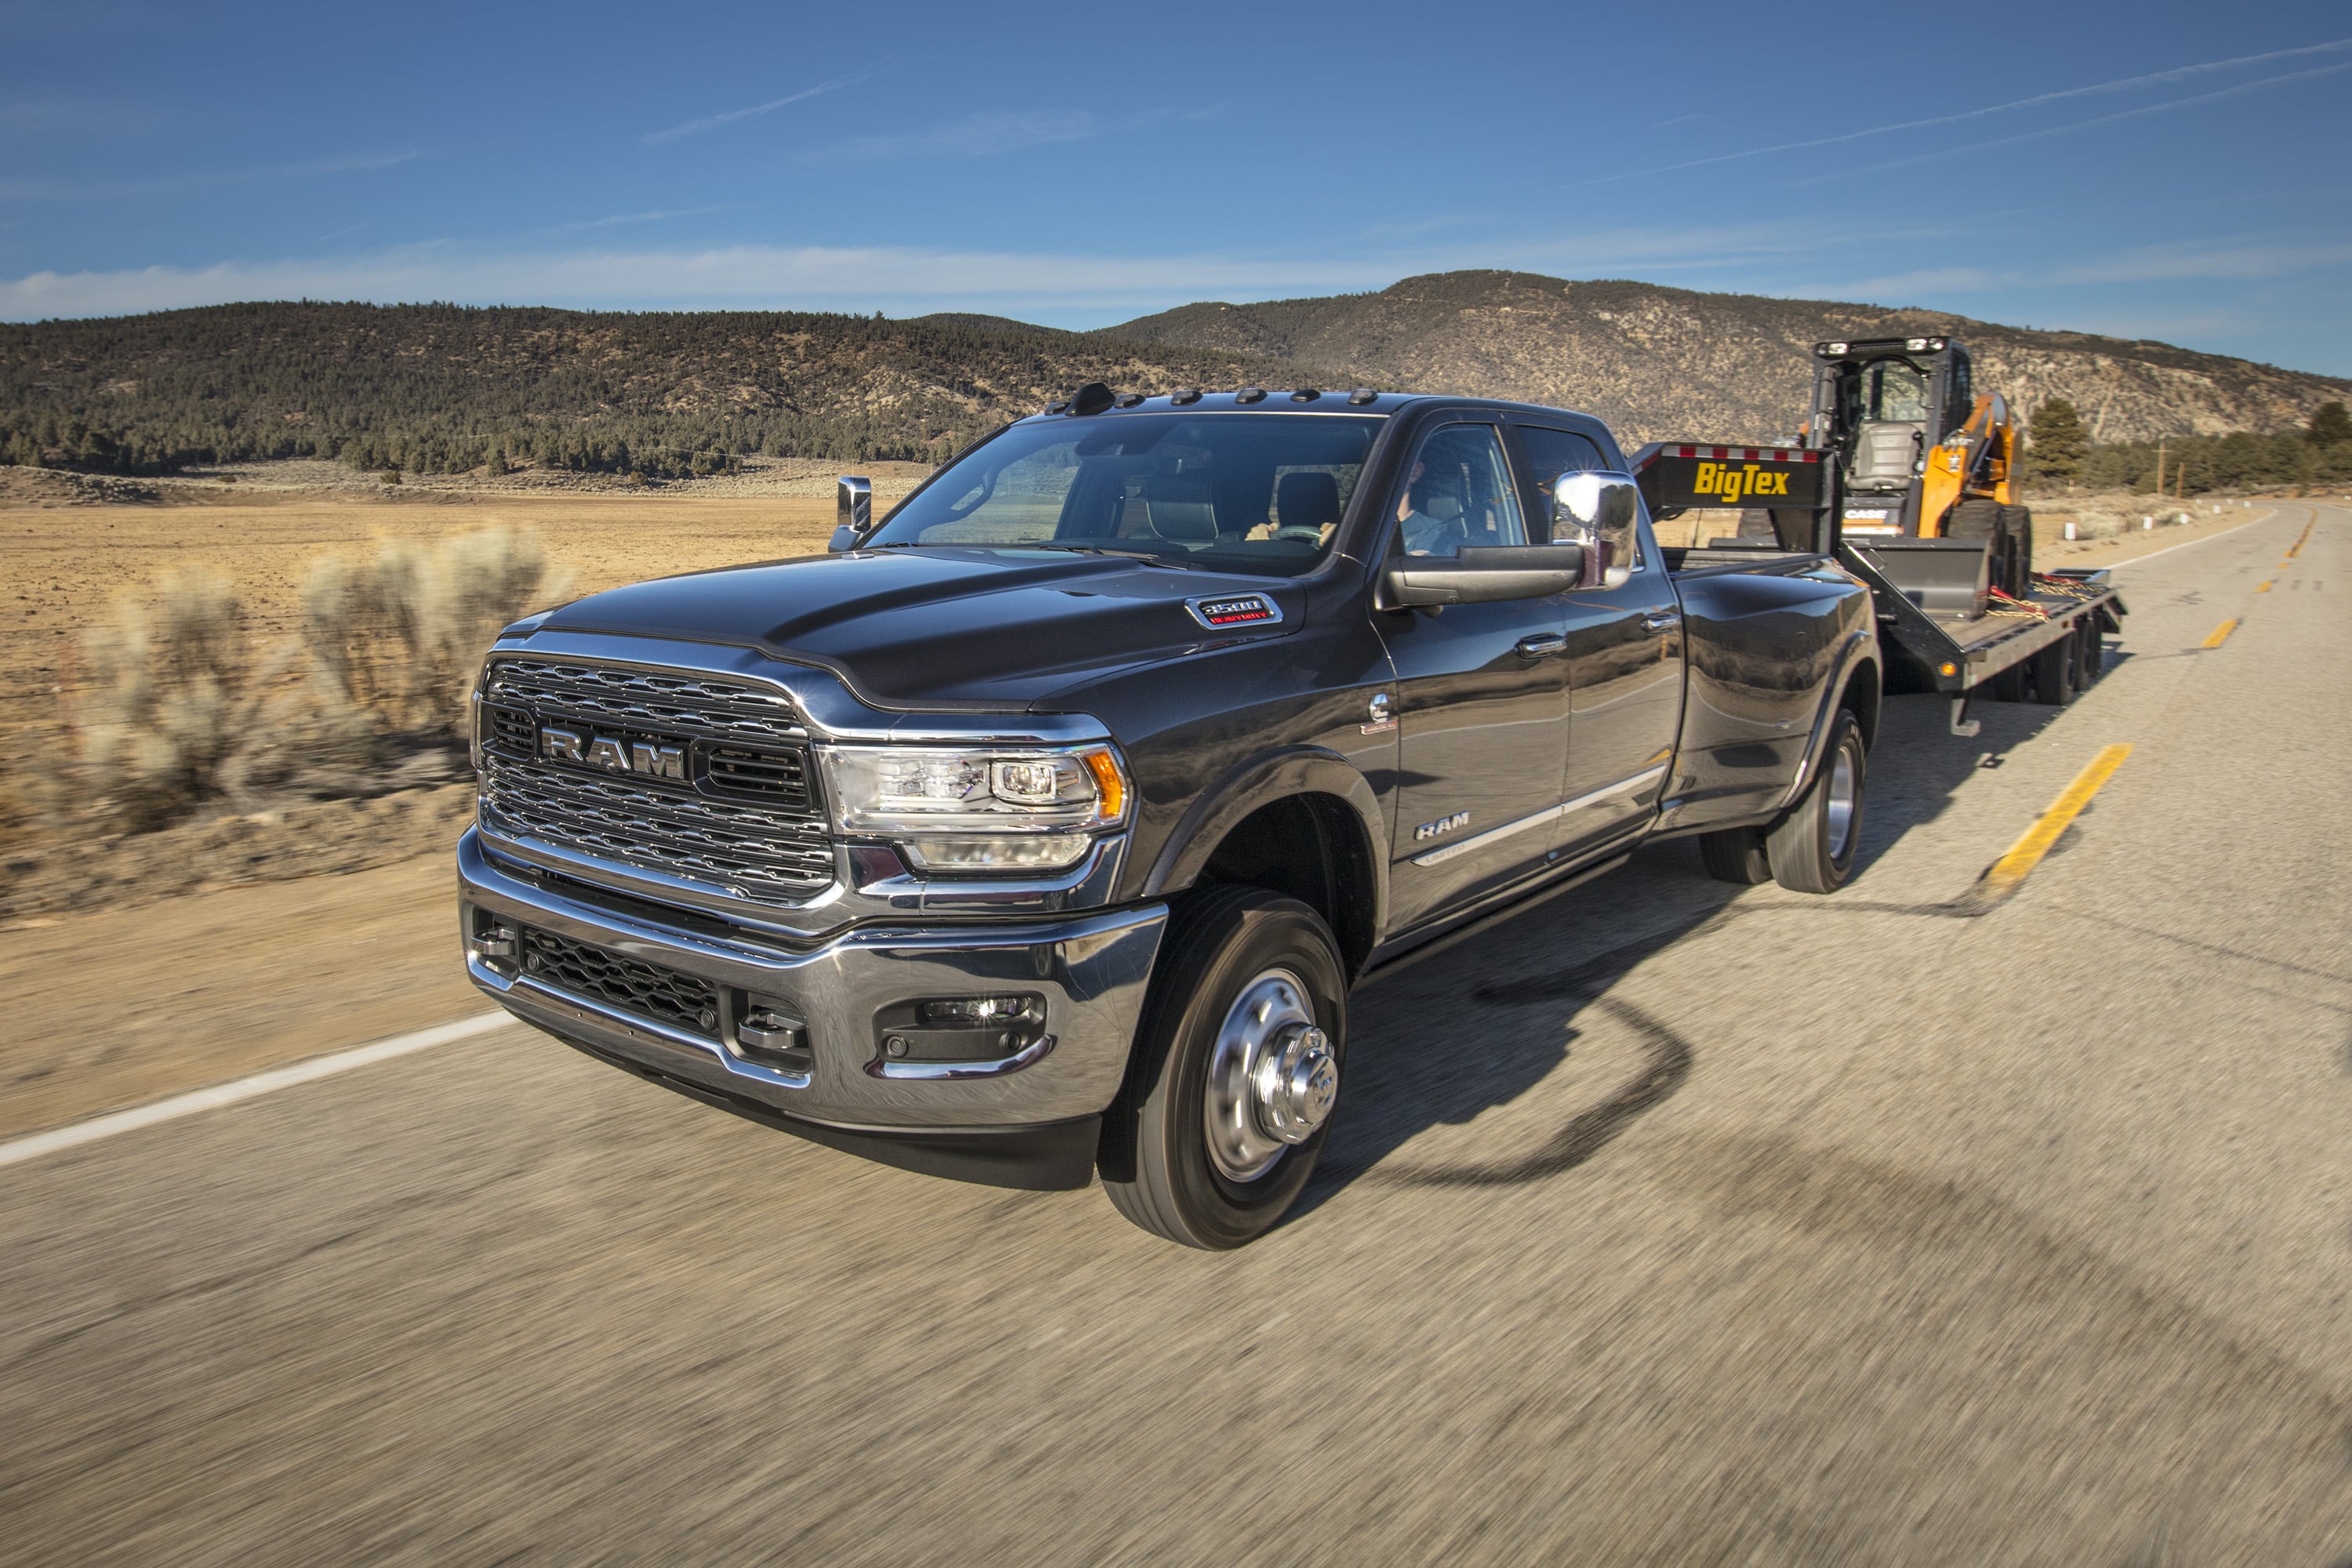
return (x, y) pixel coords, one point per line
(1037, 1108)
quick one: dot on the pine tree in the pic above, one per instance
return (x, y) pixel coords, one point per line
(2330, 425)
(2059, 442)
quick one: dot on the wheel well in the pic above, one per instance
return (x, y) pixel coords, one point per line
(1862, 695)
(1310, 847)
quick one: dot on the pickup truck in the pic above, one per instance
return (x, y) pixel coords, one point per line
(1042, 828)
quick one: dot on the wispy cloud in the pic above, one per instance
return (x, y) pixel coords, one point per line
(619, 218)
(976, 136)
(197, 180)
(2122, 84)
(734, 116)
(2167, 263)
(2166, 107)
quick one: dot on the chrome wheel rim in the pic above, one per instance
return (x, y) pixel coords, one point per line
(1843, 790)
(1273, 1077)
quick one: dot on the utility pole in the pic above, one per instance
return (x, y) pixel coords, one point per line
(2159, 468)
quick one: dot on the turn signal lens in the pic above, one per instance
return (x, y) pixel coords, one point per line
(1108, 781)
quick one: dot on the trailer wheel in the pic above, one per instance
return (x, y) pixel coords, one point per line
(2054, 671)
(1736, 854)
(1813, 848)
(2095, 648)
(1235, 1069)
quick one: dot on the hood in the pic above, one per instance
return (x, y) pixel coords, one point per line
(912, 628)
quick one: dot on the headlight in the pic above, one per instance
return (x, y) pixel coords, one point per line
(978, 810)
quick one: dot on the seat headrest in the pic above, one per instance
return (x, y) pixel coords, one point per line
(1306, 501)
(1180, 508)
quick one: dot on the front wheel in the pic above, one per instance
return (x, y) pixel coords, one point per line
(1813, 848)
(1235, 1072)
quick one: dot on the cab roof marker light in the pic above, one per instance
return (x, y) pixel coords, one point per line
(1130, 399)
(1305, 394)
(1250, 394)
(1361, 396)
(1184, 396)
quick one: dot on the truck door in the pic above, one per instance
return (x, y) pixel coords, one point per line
(1482, 691)
(1625, 674)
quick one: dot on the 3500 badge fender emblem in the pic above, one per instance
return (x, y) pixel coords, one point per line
(645, 757)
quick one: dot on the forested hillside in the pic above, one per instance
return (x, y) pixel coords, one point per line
(1659, 363)
(441, 388)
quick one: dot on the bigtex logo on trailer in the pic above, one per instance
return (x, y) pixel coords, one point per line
(1733, 484)
(1674, 475)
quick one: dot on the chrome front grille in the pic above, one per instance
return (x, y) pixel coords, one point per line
(629, 696)
(738, 742)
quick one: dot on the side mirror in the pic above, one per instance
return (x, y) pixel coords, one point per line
(853, 500)
(1482, 574)
(1601, 512)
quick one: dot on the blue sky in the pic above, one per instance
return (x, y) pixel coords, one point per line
(2174, 171)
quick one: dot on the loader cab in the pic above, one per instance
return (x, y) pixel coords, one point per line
(1882, 405)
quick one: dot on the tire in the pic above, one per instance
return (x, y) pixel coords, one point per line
(1813, 848)
(1198, 1147)
(2017, 524)
(1736, 854)
(2053, 672)
(2095, 648)
(1982, 519)
(2012, 685)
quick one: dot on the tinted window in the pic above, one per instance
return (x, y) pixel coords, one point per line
(1253, 492)
(1458, 491)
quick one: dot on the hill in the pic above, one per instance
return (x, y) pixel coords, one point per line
(442, 388)
(1658, 362)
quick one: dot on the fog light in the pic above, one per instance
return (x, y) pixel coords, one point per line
(978, 1012)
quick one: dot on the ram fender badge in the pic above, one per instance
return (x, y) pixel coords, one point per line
(1234, 610)
(1442, 826)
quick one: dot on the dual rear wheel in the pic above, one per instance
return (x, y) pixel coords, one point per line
(1810, 848)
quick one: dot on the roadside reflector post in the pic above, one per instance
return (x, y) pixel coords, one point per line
(2145, 523)
(2070, 531)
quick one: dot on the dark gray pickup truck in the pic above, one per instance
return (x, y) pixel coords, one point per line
(1043, 829)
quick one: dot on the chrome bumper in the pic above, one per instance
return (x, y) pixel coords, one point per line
(1091, 969)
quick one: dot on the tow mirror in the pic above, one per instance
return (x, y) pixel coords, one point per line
(1601, 512)
(1482, 574)
(853, 511)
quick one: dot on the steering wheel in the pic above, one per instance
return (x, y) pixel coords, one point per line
(1313, 535)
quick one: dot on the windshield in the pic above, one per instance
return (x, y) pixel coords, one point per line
(1245, 492)
(1894, 389)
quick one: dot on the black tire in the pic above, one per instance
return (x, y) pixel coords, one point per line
(1156, 1163)
(1982, 519)
(2012, 685)
(2053, 672)
(1813, 848)
(2017, 525)
(1736, 854)
(2095, 648)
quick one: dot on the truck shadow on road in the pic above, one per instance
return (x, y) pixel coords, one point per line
(1476, 1028)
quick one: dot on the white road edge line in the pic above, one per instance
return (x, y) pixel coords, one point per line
(34, 1145)
(2187, 543)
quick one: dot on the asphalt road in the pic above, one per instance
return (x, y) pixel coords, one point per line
(1667, 1224)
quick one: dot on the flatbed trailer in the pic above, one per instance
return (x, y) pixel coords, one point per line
(1947, 629)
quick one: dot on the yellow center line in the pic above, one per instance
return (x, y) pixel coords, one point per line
(2013, 868)
(2265, 587)
(2221, 635)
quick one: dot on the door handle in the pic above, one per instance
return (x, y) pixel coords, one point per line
(1543, 644)
(1662, 620)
